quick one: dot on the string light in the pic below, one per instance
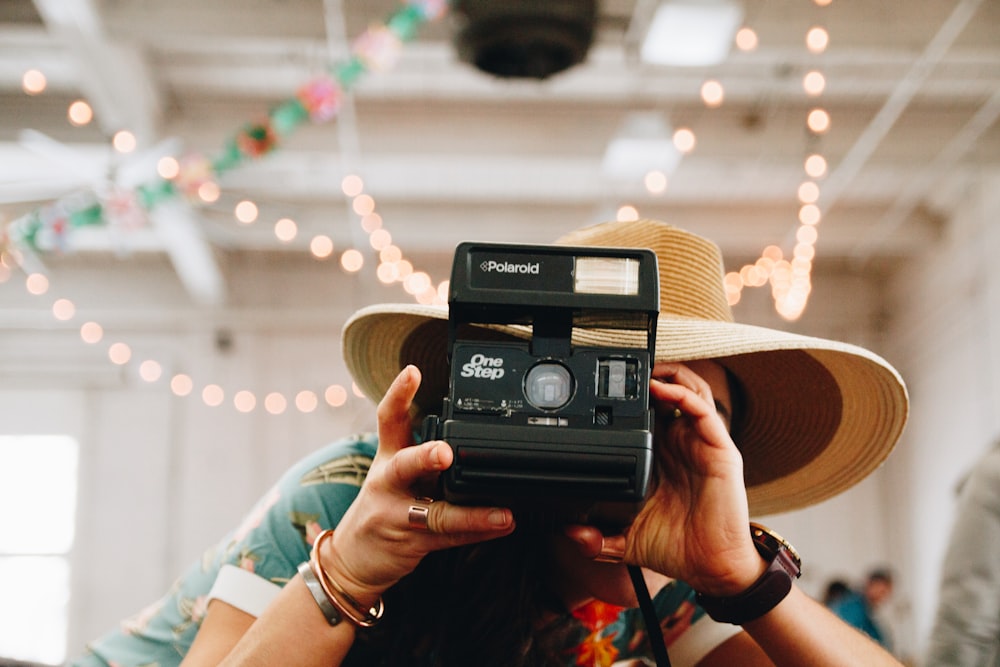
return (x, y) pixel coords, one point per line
(124, 141)
(33, 82)
(79, 113)
(684, 140)
(790, 280)
(746, 39)
(712, 93)
(246, 211)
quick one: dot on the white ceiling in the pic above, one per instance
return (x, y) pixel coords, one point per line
(450, 153)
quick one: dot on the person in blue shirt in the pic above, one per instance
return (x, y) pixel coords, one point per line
(859, 608)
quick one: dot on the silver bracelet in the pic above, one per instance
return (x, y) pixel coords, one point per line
(332, 614)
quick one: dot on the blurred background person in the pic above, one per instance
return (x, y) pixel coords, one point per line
(836, 589)
(860, 607)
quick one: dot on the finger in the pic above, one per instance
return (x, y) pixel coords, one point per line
(456, 525)
(684, 376)
(395, 427)
(418, 463)
(592, 543)
(688, 400)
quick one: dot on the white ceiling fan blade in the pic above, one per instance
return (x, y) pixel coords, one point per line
(34, 191)
(61, 155)
(141, 167)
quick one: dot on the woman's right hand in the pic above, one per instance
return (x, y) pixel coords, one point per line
(374, 545)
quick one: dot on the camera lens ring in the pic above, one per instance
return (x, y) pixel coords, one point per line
(549, 385)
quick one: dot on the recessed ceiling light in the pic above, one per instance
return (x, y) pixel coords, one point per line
(691, 33)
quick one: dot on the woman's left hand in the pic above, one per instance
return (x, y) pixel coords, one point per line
(695, 525)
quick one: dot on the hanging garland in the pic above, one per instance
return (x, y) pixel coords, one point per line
(318, 101)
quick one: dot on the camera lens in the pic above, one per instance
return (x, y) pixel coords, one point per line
(548, 386)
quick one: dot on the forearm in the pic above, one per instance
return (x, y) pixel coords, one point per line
(292, 631)
(801, 631)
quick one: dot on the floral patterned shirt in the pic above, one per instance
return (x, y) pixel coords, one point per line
(276, 536)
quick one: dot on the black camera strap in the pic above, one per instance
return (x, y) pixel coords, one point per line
(653, 629)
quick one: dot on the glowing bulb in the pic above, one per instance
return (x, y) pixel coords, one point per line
(390, 254)
(380, 238)
(275, 403)
(213, 395)
(746, 39)
(306, 401)
(818, 121)
(63, 309)
(808, 192)
(33, 82)
(286, 230)
(124, 141)
(246, 211)
(37, 284)
(91, 332)
(209, 192)
(809, 214)
(244, 401)
(321, 246)
(684, 140)
(817, 39)
(168, 167)
(806, 234)
(815, 165)
(181, 384)
(655, 182)
(119, 353)
(352, 260)
(335, 395)
(813, 83)
(150, 370)
(363, 205)
(712, 93)
(352, 185)
(79, 113)
(627, 214)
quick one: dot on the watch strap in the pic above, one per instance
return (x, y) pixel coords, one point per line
(784, 566)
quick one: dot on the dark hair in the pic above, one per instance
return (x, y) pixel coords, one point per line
(478, 605)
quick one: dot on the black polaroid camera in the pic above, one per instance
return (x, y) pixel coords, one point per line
(556, 430)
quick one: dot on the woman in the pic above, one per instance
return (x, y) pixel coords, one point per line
(462, 585)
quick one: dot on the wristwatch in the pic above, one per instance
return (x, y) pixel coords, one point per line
(784, 566)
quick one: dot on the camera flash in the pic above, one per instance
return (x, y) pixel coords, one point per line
(606, 275)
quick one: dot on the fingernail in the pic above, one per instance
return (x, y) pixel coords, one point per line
(499, 518)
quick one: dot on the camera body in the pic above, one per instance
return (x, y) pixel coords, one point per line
(557, 430)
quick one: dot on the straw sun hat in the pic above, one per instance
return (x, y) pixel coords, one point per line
(819, 415)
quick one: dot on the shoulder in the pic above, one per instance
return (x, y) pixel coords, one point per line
(312, 495)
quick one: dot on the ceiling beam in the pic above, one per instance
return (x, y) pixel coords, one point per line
(118, 83)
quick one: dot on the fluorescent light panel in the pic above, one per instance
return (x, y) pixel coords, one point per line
(691, 33)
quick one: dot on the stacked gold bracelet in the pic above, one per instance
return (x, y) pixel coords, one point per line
(359, 614)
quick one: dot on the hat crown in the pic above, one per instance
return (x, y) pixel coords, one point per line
(691, 269)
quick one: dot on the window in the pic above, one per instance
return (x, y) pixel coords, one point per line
(38, 479)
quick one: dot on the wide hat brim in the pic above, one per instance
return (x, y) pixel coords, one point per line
(817, 417)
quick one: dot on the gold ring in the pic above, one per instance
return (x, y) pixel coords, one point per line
(609, 554)
(417, 515)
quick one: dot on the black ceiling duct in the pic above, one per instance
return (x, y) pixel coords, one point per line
(530, 39)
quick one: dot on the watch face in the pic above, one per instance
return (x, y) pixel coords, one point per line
(772, 542)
